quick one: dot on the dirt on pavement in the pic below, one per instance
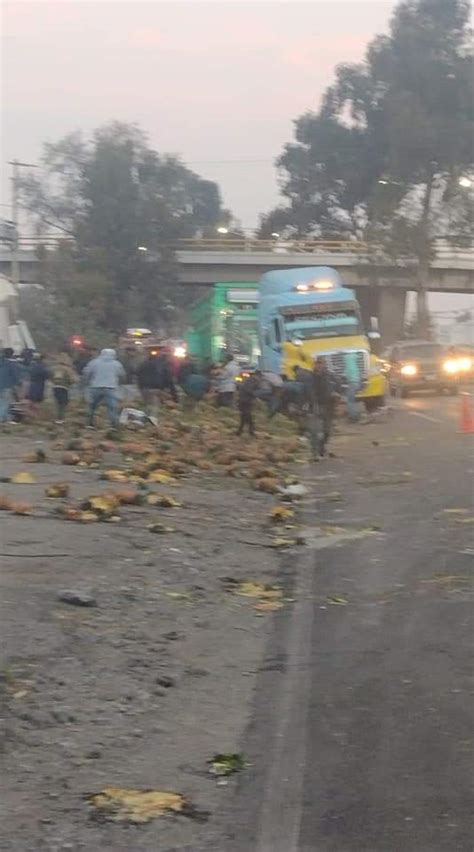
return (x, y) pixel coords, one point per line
(142, 686)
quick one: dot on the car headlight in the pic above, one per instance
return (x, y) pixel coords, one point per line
(451, 366)
(465, 364)
(409, 370)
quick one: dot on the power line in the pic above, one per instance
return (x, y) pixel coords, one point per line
(24, 165)
(186, 162)
(227, 162)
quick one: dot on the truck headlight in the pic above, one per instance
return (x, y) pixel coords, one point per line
(409, 370)
(451, 366)
(465, 364)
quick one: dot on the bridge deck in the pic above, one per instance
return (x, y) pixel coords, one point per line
(208, 261)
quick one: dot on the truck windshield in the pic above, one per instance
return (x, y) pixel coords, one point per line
(242, 337)
(330, 325)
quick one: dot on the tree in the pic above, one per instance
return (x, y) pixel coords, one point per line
(327, 174)
(383, 156)
(124, 206)
(425, 67)
(66, 302)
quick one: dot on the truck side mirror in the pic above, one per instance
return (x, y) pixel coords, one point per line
(374, 324)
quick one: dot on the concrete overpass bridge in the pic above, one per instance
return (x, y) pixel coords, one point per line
(381, 283)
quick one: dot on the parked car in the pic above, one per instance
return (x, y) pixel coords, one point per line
(421, 364)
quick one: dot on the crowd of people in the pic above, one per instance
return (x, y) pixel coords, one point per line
(313, 393)
(23, 382)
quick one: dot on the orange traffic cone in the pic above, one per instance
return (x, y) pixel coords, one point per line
(467, 417)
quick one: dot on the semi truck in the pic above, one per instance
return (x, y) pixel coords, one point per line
(225, 321)
(306, 313)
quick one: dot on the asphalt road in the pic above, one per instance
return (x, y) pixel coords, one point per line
(362, 738)
(443, 410)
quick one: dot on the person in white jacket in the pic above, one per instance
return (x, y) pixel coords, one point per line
(226, 382)
(103, 375)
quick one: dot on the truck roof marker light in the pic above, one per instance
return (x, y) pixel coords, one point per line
(323, 285)
(314, 285)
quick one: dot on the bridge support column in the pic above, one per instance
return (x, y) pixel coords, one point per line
(391, 314)
(368, 298)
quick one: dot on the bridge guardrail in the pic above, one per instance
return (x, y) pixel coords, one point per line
(249, 244)
(230, 245)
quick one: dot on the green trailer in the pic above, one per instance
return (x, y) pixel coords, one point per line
(225, 321)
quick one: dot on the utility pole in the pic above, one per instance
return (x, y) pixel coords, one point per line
(424, 256)
(15, 260)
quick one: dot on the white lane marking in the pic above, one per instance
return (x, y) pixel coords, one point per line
(283, 793)
(426, 417)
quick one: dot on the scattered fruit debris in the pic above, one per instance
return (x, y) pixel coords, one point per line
(23, 477)
(268, 598)
(35, 457)
(280, 514)
(137, 806)
(19, 508)
(58, 489)
(115, 476)
(70, 458)
(160, 529)
(267, 484)
(163, 500)
(227, 764)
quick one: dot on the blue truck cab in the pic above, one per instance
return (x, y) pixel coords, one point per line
(306, 313)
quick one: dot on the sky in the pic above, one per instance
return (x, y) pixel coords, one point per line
(218, 82)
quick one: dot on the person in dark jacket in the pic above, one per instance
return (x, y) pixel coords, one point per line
(38, 375)
(27, 356)
(187, 367)
(246, 397)
(164, 373)
(322, 393)
(194, 383)
(10, 379)
(304, 379)
(147, 381)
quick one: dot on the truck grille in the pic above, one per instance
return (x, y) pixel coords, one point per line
(335, 362)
